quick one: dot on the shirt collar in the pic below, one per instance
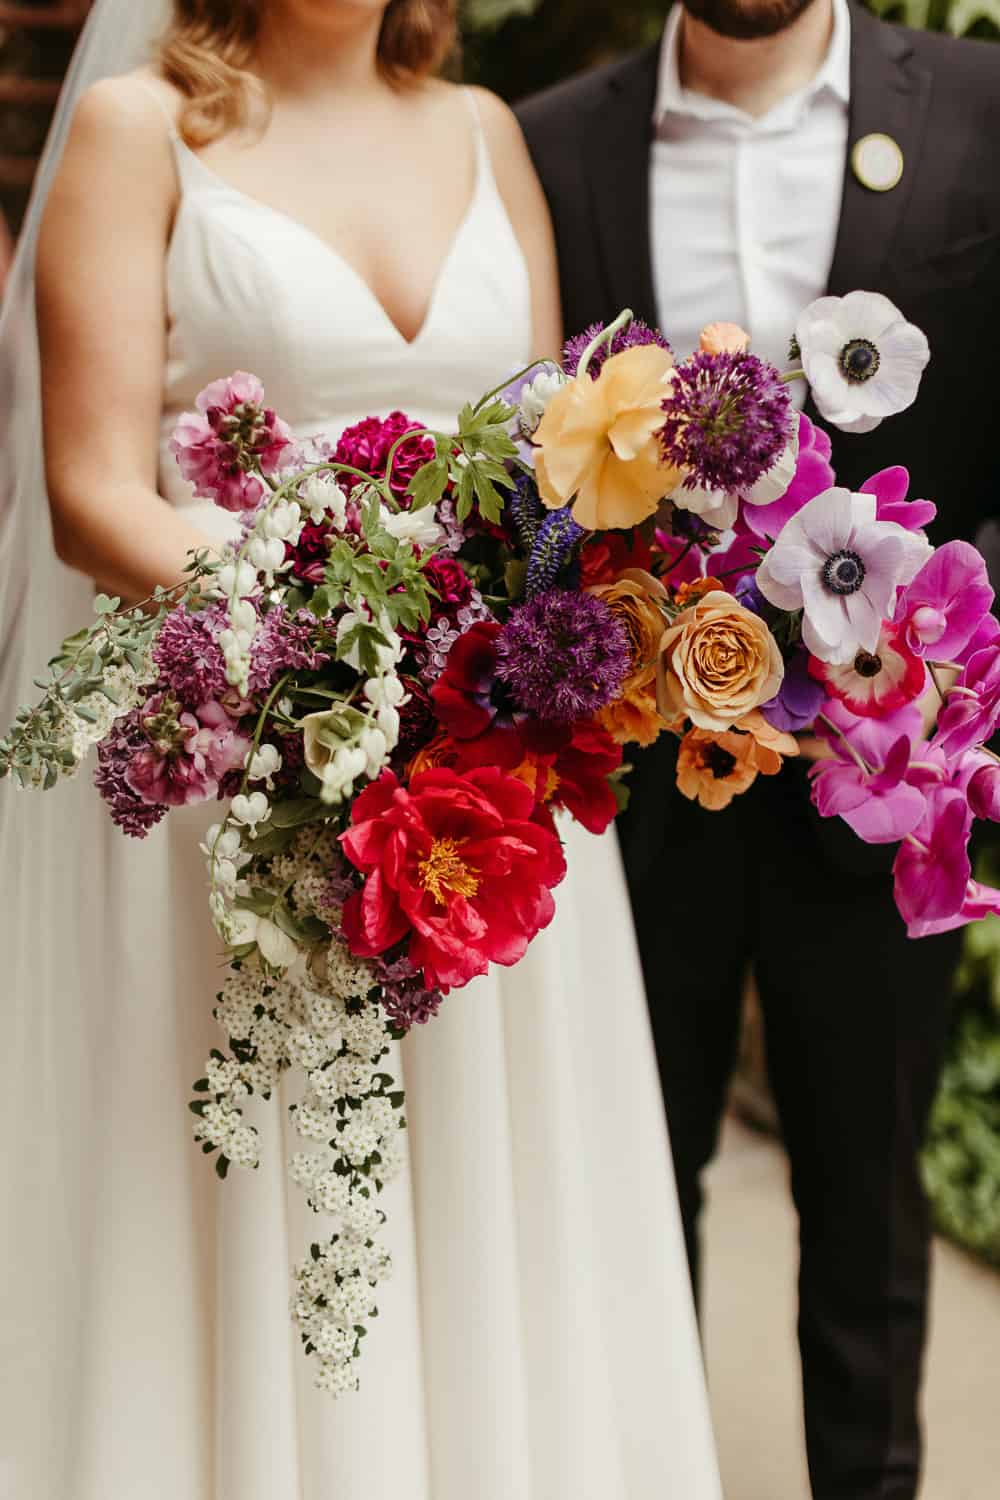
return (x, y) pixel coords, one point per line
(672, 98)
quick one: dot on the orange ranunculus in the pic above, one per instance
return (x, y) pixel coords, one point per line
(633, 717)
(718, 662)
(724, 338)
(714, 768)
(597, 443)
(440, 751)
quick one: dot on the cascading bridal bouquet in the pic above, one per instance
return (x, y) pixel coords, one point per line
(421, 645)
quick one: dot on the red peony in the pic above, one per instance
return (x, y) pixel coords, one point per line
(606, 555)
(576, 776)
(459, 864)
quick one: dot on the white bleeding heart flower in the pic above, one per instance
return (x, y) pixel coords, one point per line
(265, 763)
(416, 526)
(282, 522)
(250, 810)
(234, 580)
(325, 500)
(276, 947)
(266, 553)
(375, 746)
(243, 615)
(861, 357)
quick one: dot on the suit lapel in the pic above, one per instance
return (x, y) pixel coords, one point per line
(617, 137)
(889, 95)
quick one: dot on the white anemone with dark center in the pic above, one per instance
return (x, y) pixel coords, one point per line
(862, 359)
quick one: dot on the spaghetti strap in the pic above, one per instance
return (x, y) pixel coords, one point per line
(158, 100)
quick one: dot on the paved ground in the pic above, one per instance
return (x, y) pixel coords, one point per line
(753, 1369)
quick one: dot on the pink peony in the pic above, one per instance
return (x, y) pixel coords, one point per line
(944, 606)
(460, 865)
(230, 441)
(875, 682)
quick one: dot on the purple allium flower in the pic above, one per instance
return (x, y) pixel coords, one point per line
(633, 337)
(283, 643)
(229, 441)
(556, 538)
(728, 420)
(187, 654)
(563, 655)
(114, 756)
(366, 446)
(800, 698)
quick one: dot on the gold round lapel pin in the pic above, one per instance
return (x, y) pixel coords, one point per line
(877, 162)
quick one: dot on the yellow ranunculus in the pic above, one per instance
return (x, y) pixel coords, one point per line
(597, 443)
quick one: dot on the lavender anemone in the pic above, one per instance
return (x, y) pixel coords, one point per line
(557, 535)
(728, 420)
(563, 655)
(633, 337)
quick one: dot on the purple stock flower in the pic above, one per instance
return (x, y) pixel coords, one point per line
(813, 474)
(633, 337)
(945, 603)
(232, 434)
(800, 698)
(728, 420)
(841, 567)
(563, 655)
(115, 753)
(932, 871)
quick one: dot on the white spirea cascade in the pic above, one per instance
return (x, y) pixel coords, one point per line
(321, 1022)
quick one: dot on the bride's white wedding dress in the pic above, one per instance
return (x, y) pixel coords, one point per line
(537, 1340)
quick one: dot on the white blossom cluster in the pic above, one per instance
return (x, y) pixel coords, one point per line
(320, 1023)
(238, 582)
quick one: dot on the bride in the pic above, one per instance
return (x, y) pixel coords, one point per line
(283, 187)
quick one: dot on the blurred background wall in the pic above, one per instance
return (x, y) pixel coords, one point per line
(517, 47)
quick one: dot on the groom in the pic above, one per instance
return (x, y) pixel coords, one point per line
(768, 152)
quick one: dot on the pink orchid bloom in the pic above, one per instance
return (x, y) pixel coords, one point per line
(943, 606)
(813, 475)
(980, 901)
(984, 792)
(932, 871)
(889, 486)
(986, 633)
(972, 711)
(878, 805)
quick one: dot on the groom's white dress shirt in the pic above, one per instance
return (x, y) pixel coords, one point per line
(744, 210)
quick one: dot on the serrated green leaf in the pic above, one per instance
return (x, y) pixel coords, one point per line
(428, 484)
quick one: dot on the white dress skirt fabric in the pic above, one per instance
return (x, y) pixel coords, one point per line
(537, 1340)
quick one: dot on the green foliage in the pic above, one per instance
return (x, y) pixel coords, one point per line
(519, 46)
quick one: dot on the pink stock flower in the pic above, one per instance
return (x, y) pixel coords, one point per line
(186, 754)
(931, 871)
(232, 438)
(972, 710)
(875, 682)
(890, 486)
(942, 608)
(841, 567)
(813, 475)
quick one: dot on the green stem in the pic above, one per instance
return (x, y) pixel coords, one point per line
(606, 336)
(859, 760)
(417, 432)
(505, 384)
(791, 375)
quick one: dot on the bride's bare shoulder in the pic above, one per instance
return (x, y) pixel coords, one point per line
(131, 112)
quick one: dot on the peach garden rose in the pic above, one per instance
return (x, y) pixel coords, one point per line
(718, 662)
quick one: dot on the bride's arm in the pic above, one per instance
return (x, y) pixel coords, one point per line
(100, 298)
(522, 193)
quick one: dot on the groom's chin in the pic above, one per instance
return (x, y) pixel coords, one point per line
(747, 20)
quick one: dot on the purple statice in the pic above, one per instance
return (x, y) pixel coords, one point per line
(728, 420)
(283, 643)
(115, 754)
(563, 655)
(406, 999)
(633, 337)
(187, 654)
(551, 551)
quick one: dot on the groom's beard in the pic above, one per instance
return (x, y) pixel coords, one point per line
(747, 19)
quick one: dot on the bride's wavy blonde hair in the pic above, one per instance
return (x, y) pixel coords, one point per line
(208, 47)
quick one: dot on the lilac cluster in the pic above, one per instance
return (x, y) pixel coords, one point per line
(283, 643)
(563, 655)
(115, 754)
(406, 999)
(443, 634)
(728, 420)
(633, 337)
(187, 654)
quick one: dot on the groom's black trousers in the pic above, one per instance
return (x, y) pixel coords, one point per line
(856, 1019)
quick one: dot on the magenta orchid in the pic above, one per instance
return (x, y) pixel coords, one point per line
(866, 782)
(972, 708)
(932, 870)
(813, 474)
(984, 792)
(944, 605)
(890, 487)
